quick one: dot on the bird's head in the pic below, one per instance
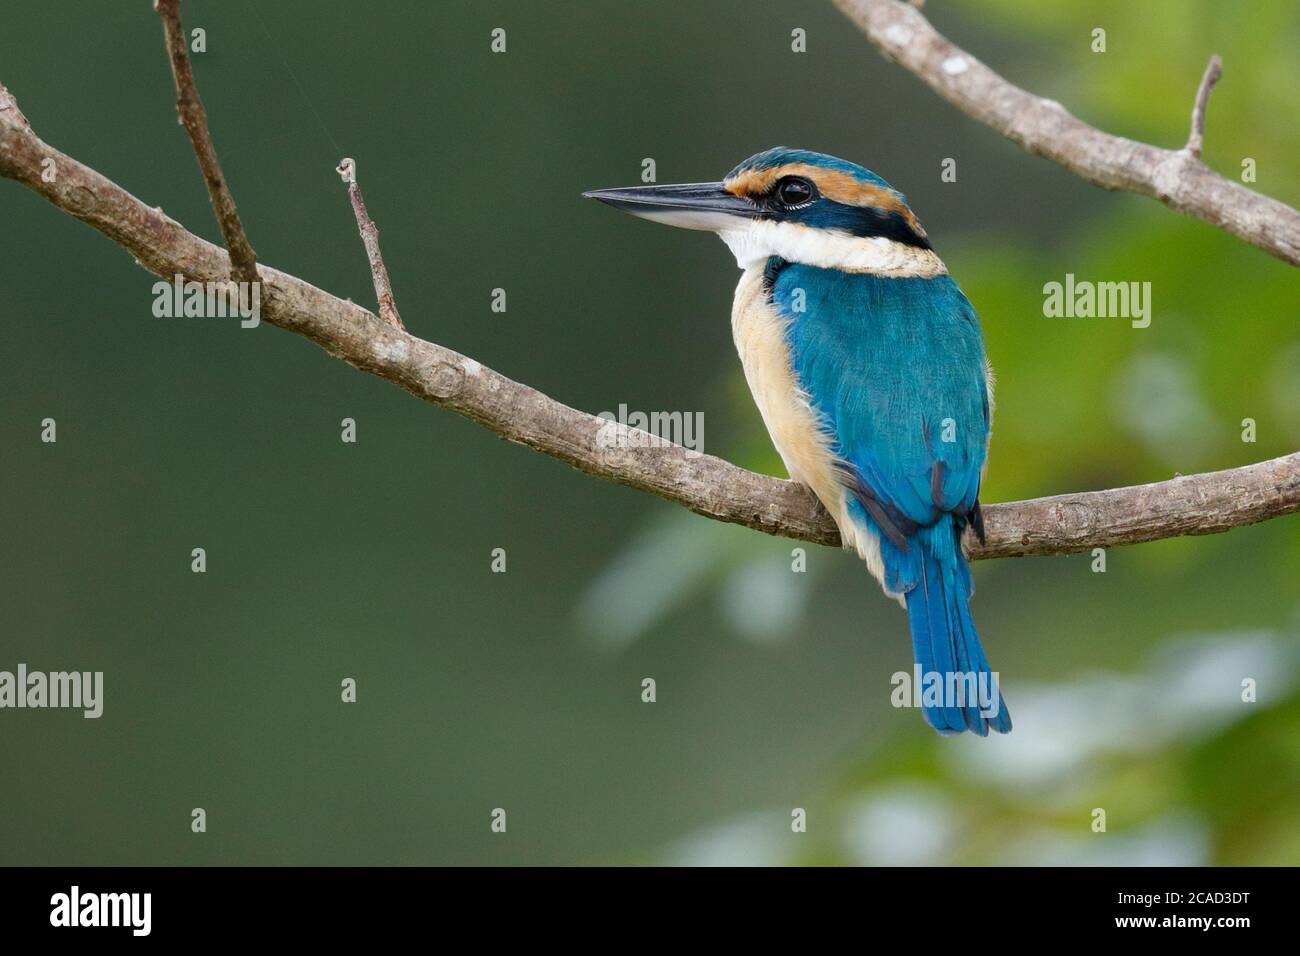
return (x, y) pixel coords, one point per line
(802, 206)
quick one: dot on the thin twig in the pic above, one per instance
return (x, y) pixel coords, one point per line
(347, 168)
(243, 260)
(1045, 128)
(1195, 139)
(1194, 504)
(9, 107)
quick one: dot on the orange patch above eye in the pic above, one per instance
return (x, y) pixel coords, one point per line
(832, 183)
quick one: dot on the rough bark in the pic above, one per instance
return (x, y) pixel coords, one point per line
(1176, 177)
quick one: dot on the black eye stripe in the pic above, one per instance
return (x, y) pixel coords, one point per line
(862, 221)
(797, 200)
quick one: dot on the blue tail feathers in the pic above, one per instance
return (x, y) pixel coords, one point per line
(958, 690)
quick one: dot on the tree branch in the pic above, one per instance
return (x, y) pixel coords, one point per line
(1197, 504)
(347, 169)
(1213, 70)
(1176, 177)
(243, 260)
(9, 111)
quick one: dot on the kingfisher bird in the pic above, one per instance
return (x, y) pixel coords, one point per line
(867, 365)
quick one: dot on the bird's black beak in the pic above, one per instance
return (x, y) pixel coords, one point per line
(690, 205)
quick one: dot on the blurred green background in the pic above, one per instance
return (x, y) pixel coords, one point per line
(522, 690)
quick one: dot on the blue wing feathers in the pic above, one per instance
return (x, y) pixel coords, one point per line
(896, 368)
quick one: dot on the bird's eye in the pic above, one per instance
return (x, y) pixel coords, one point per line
(794, 191)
